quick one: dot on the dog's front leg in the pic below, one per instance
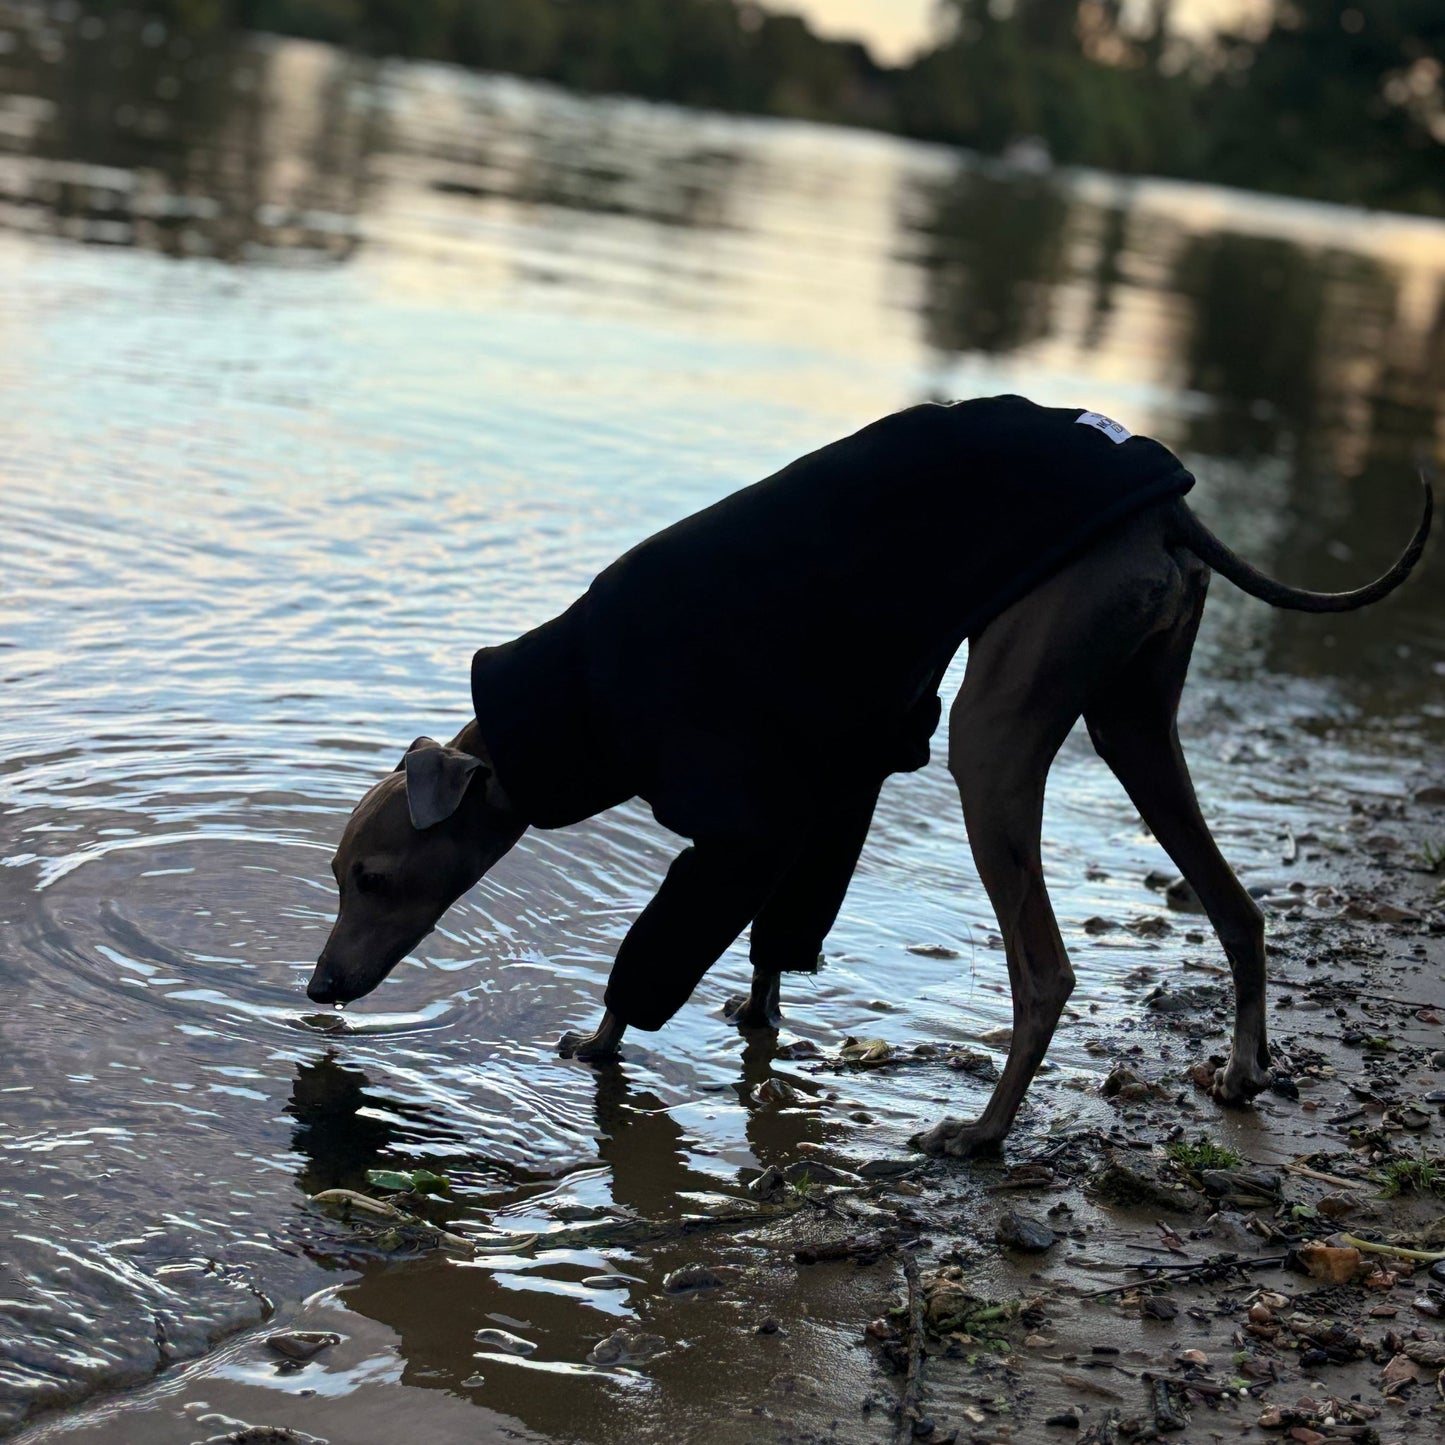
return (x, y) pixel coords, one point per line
(761, 1007)
(710, 893)
(603, 1043)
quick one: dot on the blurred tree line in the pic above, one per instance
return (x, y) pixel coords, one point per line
(1339, 99)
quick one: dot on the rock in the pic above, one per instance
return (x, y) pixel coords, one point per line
(262, 1435)
(1373, 911)
(933, 950)
(1064, 1420)
(772, 1183)
(1194, 1357)
(504, 1342)
(1242, 1185)
(1158, 1307)
(947, 1305)
(1123, 1186)
(774, 1091)
(1019, 1231)
(865, 1051)
(976, 1065)
(623, 1346)
(301, 1345)
(886, 1168)
(1429, 1353)
(1432, 795)
(1399, 1369)
(1332, 1265)
(1127, 1087)
(571, 1212)
(769, 1326)
(803, 1173)
(1180, 896)
(1198, 998)
(609, 1281)
(1151, 926)
(1096, 926)
(798, 1049)
(693, 1277)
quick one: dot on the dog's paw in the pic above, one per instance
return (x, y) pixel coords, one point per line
(1239, 1081)
(588, 1048)
(744, 1011)
(957, 1139)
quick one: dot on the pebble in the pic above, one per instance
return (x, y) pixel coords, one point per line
(693, 1277)
(1019, 1231)
(886, 1168)
(506, 1342)
(301, 1345)
(623, 1345)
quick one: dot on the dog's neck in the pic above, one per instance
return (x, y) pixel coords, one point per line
(470, 740)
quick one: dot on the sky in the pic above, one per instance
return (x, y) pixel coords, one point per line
(895, 29)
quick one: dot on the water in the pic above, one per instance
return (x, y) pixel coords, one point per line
(319, 374)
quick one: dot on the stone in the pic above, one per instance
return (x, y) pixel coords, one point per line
(504, 1342)
(301, 1345)
(1019, 1231)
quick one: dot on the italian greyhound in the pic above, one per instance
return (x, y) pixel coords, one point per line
(1102, 628)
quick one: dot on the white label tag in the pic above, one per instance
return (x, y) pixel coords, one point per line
(1111, 429)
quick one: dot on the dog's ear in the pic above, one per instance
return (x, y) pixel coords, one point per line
(436, 780)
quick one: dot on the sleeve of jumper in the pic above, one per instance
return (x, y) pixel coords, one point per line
(712, 891)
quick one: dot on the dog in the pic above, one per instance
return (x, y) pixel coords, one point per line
(755, 671)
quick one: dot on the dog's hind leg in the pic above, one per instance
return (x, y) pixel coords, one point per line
(1134, 728)
(788, 933)
(1000, 760)
(1030, 675)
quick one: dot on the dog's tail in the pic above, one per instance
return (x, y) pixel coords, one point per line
(1208, 548)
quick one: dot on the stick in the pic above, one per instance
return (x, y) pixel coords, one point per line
(1305, 1172)
(913, 1381)
(1395, 1251)
(1271, 1261)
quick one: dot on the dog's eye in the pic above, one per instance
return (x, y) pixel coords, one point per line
(371, 882)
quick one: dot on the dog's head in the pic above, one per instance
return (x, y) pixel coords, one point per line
(414, 844)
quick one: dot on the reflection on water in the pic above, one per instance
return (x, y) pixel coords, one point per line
(320, 373)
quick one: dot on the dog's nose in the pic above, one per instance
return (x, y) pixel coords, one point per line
(322, 988)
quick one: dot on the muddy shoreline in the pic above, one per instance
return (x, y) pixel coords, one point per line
(1168, 1294)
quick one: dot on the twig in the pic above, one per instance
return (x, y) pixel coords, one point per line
(1204, 1266)
(913, 1381)
(1305, 1172)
